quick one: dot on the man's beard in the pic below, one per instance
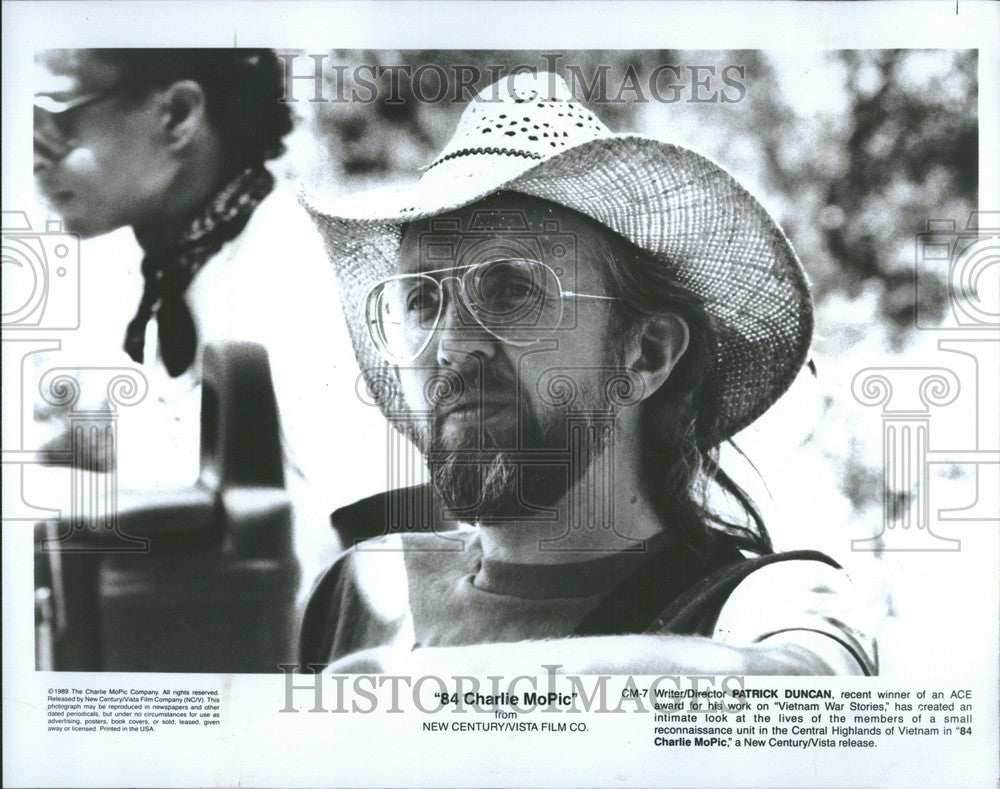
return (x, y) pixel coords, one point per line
(484, 476)
(511, 469)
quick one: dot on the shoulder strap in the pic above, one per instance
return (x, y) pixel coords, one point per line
(676, 588)
(399, 510)
(638, 600)
(688, 613)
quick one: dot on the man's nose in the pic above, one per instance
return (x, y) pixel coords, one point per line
(459, 334)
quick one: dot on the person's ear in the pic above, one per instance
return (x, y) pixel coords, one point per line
(183, 113)
(658, 344)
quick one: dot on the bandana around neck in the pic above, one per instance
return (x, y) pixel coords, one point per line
(168, 271)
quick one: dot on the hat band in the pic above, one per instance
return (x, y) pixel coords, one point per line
(486, 151)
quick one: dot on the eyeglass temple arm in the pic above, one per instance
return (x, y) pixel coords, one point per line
(44, 101)
(589, 296)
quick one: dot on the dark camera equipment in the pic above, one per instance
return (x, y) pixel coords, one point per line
(207, 578)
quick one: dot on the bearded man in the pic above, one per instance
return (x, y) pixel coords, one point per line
(572, 322)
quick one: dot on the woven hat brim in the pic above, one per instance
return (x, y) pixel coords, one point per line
(680, 206)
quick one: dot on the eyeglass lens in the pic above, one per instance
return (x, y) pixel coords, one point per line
(513, 299)
(53, 132)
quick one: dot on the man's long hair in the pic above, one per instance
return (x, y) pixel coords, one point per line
(680, 450)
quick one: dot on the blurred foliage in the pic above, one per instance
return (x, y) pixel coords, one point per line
(911, 152)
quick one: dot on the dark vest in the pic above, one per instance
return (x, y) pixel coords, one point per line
(680, 591)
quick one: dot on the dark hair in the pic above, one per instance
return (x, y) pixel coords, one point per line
(243, 91)
(680, 440)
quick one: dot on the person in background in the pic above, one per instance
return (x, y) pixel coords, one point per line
(174, 144)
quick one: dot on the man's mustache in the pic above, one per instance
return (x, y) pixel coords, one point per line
(464, 390)
(454, 389)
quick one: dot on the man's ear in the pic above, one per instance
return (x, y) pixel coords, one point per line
(182, 107)
(657, 346)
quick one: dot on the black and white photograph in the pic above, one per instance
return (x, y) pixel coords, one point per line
(615, 407)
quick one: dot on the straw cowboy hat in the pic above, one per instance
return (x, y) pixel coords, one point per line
(527, 134)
